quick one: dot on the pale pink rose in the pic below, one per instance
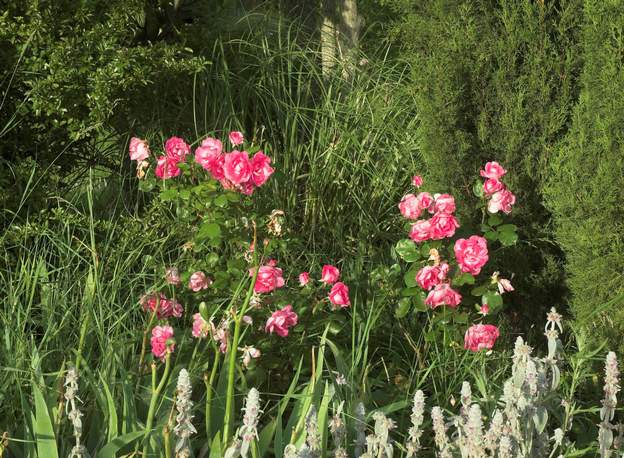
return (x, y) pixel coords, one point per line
(201, 327)
(139, 151)
(339, 295)
(162, 341)
(236, 138)
(444, 270)
(176, 149)
(167, 308)
(269, 278)
(443, 225)
(492, 185)
(484, 310)
(304, 278)
(409, 207)
(247, 320)
(261, 168)
(166, 168)
(280, 321)
(199, 281)
(172, 276)
(330, 274)
(424, 200)
(471, 254)
(504, 285)
(221, 335)
(443, 294)
(237, 167)
(501, 201)
(420, 231)
(480, 337)
(248, 354)
(444, 203)
(417, 181)
(493, 170)
(428, 277)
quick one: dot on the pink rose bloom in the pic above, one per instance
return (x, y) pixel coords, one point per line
(330, 274)
(480, 337)
(420, 231)
(269, 278)
(409, 207)
(201, 328)
(417, 181)
(493, 170)
(176, 149)
(471, 254)
(167, 308)
(160, 341)
(261, 168)
(424, 200)
(484, 310)
(272, 262)
(304, 278)
(430, 276)
(444, 203)
(139, 151)
(280, 321)
(443, 294)
(199, 281)
(501, 201)
(443, 225)
(172, 276)
(166, 168)
(209, 156)
(237, 167)
(236, 138)
(492, 185)
(339, 295)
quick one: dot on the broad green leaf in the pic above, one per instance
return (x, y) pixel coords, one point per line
(407, 292)
(419, 302)
(508, 238)
(495, 220)
(403, 308)
(477, 188)
(463, 279)
(491, 235)
(494, 300)
(209, 230)
(508, 228)
(480, 290)
(110, 450)
(44, 433)
(410, 278)
(407, 250)
(168, 194)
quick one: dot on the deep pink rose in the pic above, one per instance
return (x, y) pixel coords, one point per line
(261, 168)
(237, 167)
(480, 337)
(339, 295)
(166, 168)
(501, 201)
(428, 277)
(139, 151)
(176, 149)
(201, 327)
(161, 341)
(444, 203)
(409, 207)
(492, 185)
(443, 294)
(199, 281)
(167, 308)
(236, 138)
(493, 170)
(330, 274)
(269, 278)
(417, 181)
(484, 310)
(420, 231)
(424, 200)
(304, 278)
(210, 156)
(281, 320)
(172, 276)
(443, 225)
(471, 254)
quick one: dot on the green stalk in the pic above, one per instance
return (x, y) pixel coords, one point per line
(153, 401)
(210, 392)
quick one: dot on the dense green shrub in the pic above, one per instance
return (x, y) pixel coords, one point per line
(586, 188)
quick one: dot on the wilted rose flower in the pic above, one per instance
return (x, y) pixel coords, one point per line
(275, 222)
(409, 207)
(166, 168)
(161, 341)
(248, 353)
(199, 281)
(420, 231)
(269, 278)
(443, 294)
(261, 168)
(237, 167)
(172, 276)
(492, 185)
(480, 337)
(330, 274)
(504, 285)
(167, 308)
(236, 138)
(444, 203)
(471, 254)
(417, 181)
(339, 295)
(493, 170)
(304, 278)
(281, 320)
(501, 201)
(139, 150)
(443, 225)
(176, 149)
(140, 169)
(201, 327)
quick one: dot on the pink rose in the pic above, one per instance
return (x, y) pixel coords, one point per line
(444, 203)
(471, 254)
(424, 200)
(176, 149)
(209, 156)
(261, 168)
(172, 276)
(430, 276)
(330, 274)
(237, 167)
(167, 308)
(420, 231)
(443, 225)
(201, 327)
(236, 138)
(501, 201)
(161, 341)
(443, 294)
(199, 281)
(417, 181)
(484, 310)
(269, 278)
(493, 170)
(139, 151)
(409, 207)
(339, 295)
(280, 321)
(492, 185)
(480, 336)
(304, 278)
(166, 168)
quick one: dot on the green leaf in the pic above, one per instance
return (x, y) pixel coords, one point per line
(491, 235)
(408, 292)
(403, 308)
(209, 230)
(168, 194)
(508, 238)
(419, 302)
(507, 228)
(463, 279)
(407, 250)
(112, 411)
(492, 299)
(221, 201)
(110, 450)
(480, 290)
(410, 278)
(44, 433)
(477, 188)
(495, 220)
(461, 318)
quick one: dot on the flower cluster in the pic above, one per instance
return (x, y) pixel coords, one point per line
(339, 293)
(499, 197)
(202, 329)
(162, 341)
(442, 206)
(165, 308)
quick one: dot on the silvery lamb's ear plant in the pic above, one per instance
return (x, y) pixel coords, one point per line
(74, 414)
